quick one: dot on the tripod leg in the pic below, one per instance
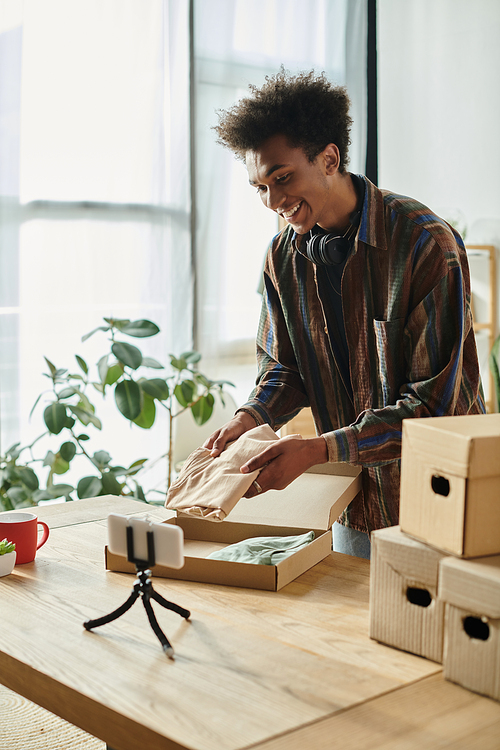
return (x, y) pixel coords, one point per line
(166, 645)
(112, 615)
(170, 605)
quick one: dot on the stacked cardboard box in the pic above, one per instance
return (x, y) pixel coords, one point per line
(427, 595)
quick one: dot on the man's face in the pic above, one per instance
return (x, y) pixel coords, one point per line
(298, 190)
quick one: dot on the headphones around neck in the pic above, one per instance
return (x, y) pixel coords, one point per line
(328, 249)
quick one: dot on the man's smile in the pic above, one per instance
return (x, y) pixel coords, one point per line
(291, 211)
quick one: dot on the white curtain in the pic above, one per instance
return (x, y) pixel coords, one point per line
(237, 43)
(95, 181)
(94, 194)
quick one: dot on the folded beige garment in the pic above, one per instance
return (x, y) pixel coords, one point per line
(210, 487)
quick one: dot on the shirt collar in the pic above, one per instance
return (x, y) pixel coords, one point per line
(372, 225)
(371, 228)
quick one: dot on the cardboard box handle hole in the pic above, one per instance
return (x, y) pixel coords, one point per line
(476, 628)
(440, 485)
(420, 597)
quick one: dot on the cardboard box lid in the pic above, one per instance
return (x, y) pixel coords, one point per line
(472, 585)
(467, 446)
(411, 559)
(313, 501)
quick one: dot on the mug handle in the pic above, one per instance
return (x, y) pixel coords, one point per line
(45, 534)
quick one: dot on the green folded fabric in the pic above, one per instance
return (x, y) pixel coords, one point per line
(263, 550)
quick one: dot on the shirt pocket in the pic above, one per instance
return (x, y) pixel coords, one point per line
(390, 359)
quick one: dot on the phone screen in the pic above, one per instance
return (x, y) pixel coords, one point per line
(168, 539)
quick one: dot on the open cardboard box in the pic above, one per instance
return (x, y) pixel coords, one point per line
(311, 503)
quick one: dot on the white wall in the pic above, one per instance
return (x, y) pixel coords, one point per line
(439, 116)
(439, 103)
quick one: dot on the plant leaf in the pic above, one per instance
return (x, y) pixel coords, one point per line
(85, 404)
(153, 363)
(67, 392)
(18, 495)
(140, 328)
(203, 380)
(14, 451)
(102, 367)
(86, 417)
(82, 364)
(35, 404)
(155, 387)
(118, 471)
(128, 397)
(128, 354)
(191, 357)
(60, 490)
(184, 392)
(55, 417)
(111, 485)
(117, 323)
(139, 493)
(67, 451)
(52, 368)
(60, 466)
(114, 373)
(494, 363)
(147, 416)
(100, 328)
(102, 459)
(28, 478)
(135, 467)
(178, 363)
(202, 409)
(222, 383)
(88, 487)
(49, 459)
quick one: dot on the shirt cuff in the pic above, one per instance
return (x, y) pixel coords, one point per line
(255, 413)
(342, 446)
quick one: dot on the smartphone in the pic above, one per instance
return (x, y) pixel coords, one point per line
(168, 539)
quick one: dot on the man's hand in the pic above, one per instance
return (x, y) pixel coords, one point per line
(284, 461)
(240, 423)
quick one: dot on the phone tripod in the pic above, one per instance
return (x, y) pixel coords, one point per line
(144, 588)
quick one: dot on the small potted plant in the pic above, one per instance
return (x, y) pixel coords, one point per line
(7, 557)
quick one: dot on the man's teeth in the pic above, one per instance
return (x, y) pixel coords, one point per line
(288, 214)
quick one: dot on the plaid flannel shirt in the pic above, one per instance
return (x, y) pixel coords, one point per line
(412, 350)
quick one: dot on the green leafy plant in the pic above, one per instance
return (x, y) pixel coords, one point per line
(6, 547)
(495, 369)
(68, 410)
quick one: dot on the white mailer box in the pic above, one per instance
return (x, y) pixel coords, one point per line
(450, 483)
(311, 503)
(405, 610)
(471, 590)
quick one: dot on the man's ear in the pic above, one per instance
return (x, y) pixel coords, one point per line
(331, 158)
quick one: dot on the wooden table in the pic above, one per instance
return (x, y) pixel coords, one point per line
(267, 670)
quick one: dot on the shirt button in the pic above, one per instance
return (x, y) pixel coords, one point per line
(326, 329)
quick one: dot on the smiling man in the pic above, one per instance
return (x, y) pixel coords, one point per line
(366, 308)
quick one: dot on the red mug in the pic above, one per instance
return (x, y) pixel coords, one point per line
(22, 529)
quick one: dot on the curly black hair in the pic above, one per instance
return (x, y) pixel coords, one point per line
(309, 110)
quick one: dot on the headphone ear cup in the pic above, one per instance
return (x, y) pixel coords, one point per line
(336, 250)
(327, 249)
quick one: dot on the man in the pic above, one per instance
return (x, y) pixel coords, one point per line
(366, 308)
